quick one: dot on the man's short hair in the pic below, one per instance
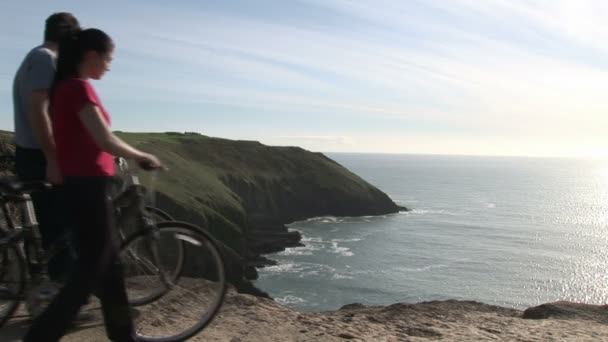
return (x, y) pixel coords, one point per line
(58, 24)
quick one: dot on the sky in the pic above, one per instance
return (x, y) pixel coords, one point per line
(475, 77)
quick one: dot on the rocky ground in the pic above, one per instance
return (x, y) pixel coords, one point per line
(247, 318)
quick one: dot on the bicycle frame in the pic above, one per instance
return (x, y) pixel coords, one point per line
(25, 235)
(130, 203)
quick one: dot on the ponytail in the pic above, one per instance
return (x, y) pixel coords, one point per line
(69, 56)
(72, 48)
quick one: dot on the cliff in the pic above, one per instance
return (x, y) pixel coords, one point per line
(244, 192)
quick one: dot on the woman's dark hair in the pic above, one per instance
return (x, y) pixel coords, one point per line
(74, 46)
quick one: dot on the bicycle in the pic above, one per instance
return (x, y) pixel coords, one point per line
(126, 208)
(159, 293)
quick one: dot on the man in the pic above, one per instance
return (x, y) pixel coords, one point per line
(35, 147)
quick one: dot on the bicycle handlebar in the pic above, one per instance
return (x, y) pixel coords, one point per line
(124, 166)
(149, 167)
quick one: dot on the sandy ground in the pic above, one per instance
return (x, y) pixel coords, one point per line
(246, 318)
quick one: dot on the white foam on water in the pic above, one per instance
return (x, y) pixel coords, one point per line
(309, 273)
(304, 269)
(343, 251)
(289, 299)
(322, 219)
(419, 269)
(416, 211)
(340, 276)
(283, 268)
(302, 250)
(346, 240)
(313, 239)
(336, 220)
(432, 211)
(295, 251)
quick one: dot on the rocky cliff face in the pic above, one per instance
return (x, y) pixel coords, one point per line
(307, 185)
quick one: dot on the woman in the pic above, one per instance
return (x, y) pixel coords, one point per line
(85, 149)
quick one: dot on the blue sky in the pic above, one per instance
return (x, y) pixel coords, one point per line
(498, 77)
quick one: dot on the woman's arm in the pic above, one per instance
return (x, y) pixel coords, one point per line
(95, 124)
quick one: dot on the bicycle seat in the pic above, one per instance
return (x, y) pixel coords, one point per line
(15, 186)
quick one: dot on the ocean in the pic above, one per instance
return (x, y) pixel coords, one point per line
(509, 231)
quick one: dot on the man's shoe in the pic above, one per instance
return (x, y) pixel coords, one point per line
(39, 297)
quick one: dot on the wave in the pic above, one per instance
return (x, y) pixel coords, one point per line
(343, 251)
(312, 239)
(418, 269)
(421, 212)
(311, 270)
(313, 244)
(306, 268)
(282, 268)
(372, 217)
(321, 219)
(336, 220)
(347, 240)
(295, 251)
(340, 276)
(321, 241)
(302, 250)
(433, 211)
(289, 299)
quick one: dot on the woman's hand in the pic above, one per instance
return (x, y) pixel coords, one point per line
(149, 162)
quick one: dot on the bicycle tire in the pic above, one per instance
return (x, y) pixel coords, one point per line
(129, 256)
(187, 297)
(154, 213)
(157, 215)
(13, 298)
(4, 262)
(160, 214)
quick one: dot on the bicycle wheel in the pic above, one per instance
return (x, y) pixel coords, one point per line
(173, 310)
(171, 253)
(130, 226)
(158, 215)
(4, 263)
(153, 262)
(12, 283)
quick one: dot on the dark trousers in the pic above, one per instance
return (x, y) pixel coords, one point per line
(50, 209)
(97, 266)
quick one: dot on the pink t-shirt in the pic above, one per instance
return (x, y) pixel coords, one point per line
(77, 153)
